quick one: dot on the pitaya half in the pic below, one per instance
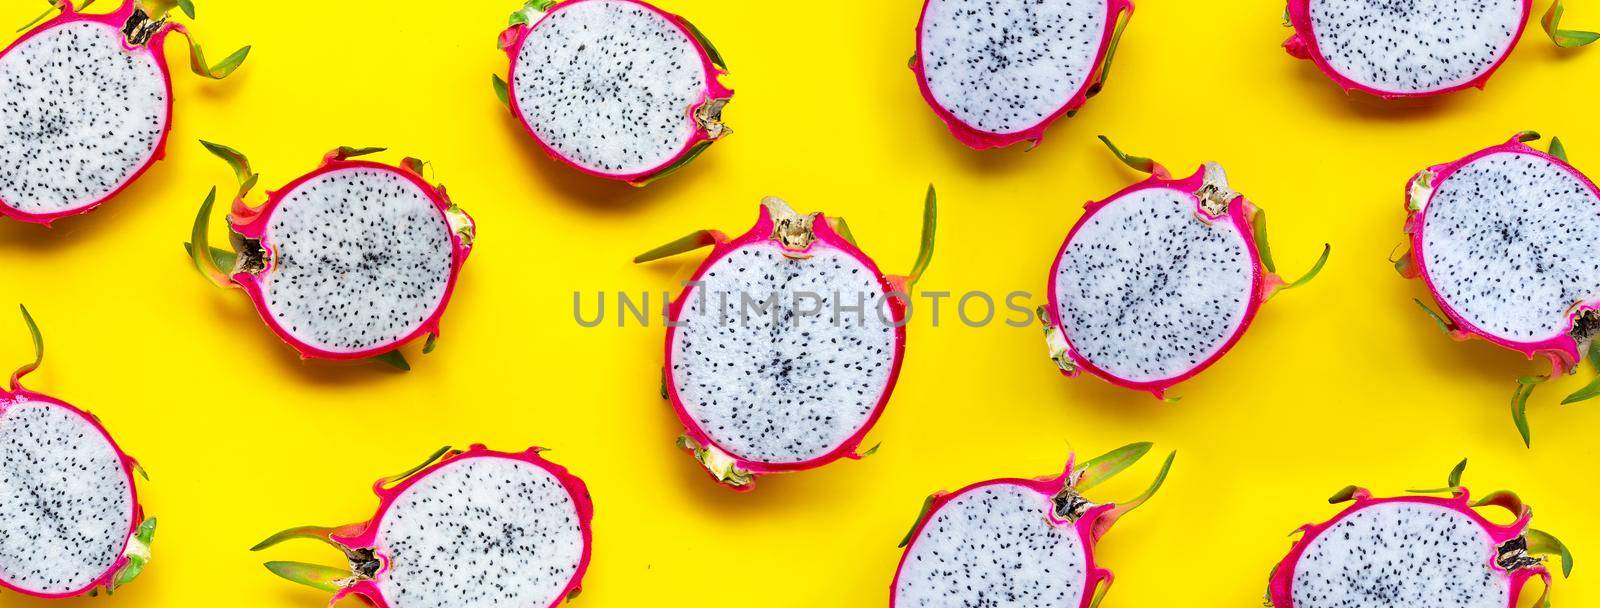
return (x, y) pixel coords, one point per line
(1507, 240)
(87, 106)
(1416, 551)
(783, 349)
(617, 89)
(70, 519)
(998, 72)
(1157, 282)
(1414, 48)
(1016, 542)
(349, 261)
(474, 528)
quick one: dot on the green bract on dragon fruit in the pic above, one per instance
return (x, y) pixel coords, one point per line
(88, 104)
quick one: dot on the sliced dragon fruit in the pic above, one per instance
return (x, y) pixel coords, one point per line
(1016, 542)
(87, 106)
(72, 520)
(617, 89)
(999, 72)
(1157, 282)
(349, 261)
(1505, 240)
(474, 528)
(1415, 49)
(1416, 551)
(782, 351)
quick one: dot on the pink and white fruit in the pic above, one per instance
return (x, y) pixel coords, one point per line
(782, 351)
(999, 72)
(87, 107)
(1414, 49)
(1416, 551)
(349, 261)
(73, 523)
(1016, 542)
(617, 89)
(1157, 282)
(1506, 240)
(474, 528)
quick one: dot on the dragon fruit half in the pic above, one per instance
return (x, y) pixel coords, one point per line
(349, 261)
(1016, 542)
(1416, 48)
(998, 72)
(73, 524)
(1416, 551)
(1157, 282)
(1506, 240)
(474, 528)
(87, 106)
(617, 89)
(783, 349)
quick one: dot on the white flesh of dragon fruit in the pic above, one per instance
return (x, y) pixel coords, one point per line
(65, 504)
(1415, 45)
(608, 85)
(80, 114)
(791, 387)
(1401, 554)
(363, 259)
(1511, 241)
(1147, 291)
(994, 546)
(1004, 66)
(480, 532)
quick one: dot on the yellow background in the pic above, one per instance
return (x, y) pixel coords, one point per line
(1344, 381)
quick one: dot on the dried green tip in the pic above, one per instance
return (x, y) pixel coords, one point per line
(1108, 465)
(1544, 543)
(930, 226)
(1138, 163)
(927, 507)
(684, 244)
(1567, 39)
(394, 359)
(315, 576)
(1345, 494)
(502, 90)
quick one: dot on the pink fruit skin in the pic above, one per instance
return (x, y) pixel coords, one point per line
(1303, 45)
(1239, 213)
(1562, 350)
(511, 42)
(1281, 588)
(252, 223)
(983, 140)
(893, 288)
(115, 19)
(1091, 527)
(20, 395)
(365, 535)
